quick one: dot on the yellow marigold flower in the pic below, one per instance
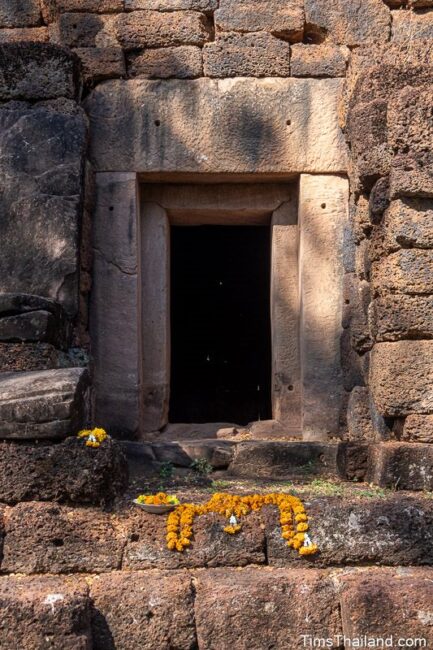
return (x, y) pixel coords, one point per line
(308, 550)
(171, 545)
(302, 527)
(301, 517)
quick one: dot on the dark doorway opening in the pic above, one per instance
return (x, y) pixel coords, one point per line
(220, 324)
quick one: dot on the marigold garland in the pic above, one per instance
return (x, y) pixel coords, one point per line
(94, 437)
(293, 518)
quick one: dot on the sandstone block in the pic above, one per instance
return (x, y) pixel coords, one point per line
(46, 404)
(36, 71)
(24, 317)
(383, 531)
(99, 63)
(47, 538)
(355, 309)
(43, 157)
(390, 604)
(147, 547)
(69, 472)
(408, 271)
(29, 356)
(162, 29)
(401, 377)
(325, 60)
(418, 428)
(396, 317)
(19, 13)
(84, 30)
(246, 55)
(35, 34)
(218, 453)
(44, 609)
(401, 465)
(409, 224)
(411, 26)
(279, 460)
(359, 424)
(240, 125)
(352, 460)
(206, 6)
(242, 597)
(52, 8)
(183, 62)
(283, 18)
(349, 23)
(160, 604)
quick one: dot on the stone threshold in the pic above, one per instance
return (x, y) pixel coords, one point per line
(214, 608)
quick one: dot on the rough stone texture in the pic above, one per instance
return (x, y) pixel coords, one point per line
(19, 13)
(279, 460)
(352, 460)
(100, 63)
(217, 126)
(84, 30)
(211, 546)
(349, 23)
(160, 605)
(69, 472)
(36, 71)
(323, 216)
(407, 271)
(46, 404)
(24, 317)
(46, 538)
(113, 300)
(154, 29)
(393, 531)
(41, 612)
(401, 377)
(388, 604)
(34, 34)
(183, 62)
(29, 356)
(359, 424)
(206, 6)
(325, 60)
(356, 296)
(252, 608)
(246, 55)
(283, 18)
(52, 8)
(418, 428)
(409, 224)
(402, 466)
(218, 453)
(396, 317)
(43, 150)
(409, 26)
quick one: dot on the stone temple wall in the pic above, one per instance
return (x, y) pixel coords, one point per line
(59, 62)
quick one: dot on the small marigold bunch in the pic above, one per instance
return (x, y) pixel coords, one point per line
(94, 437)
(293, 518)
(160, 499)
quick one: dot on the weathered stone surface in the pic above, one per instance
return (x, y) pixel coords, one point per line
(29, 356)
(396, 317)
(355, 309)
(378, 200)
(325, 60)
(359, 424)
(349, 23)
(246, 55)
(388, 531)
(388, 604)
(160, 604)
(46, 404)
(84, 30)
(257, 603)
(283, 19)
(69, 472)
(99, 63)
(218, 453)
(47, 538)
(239, 125)
(401, 465)
(42, 610)
(409, 224)
(43, 149)
(401, 377)
(407, 271)
(52, 8)
(206, 6)
(19, 13)
(36, 71)
(352, 460)
(155, 29)
(24, 317)
(279, 460)
(418, 428)
(147, 546)
(183, 62)
(34, 34)
(411, 26)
